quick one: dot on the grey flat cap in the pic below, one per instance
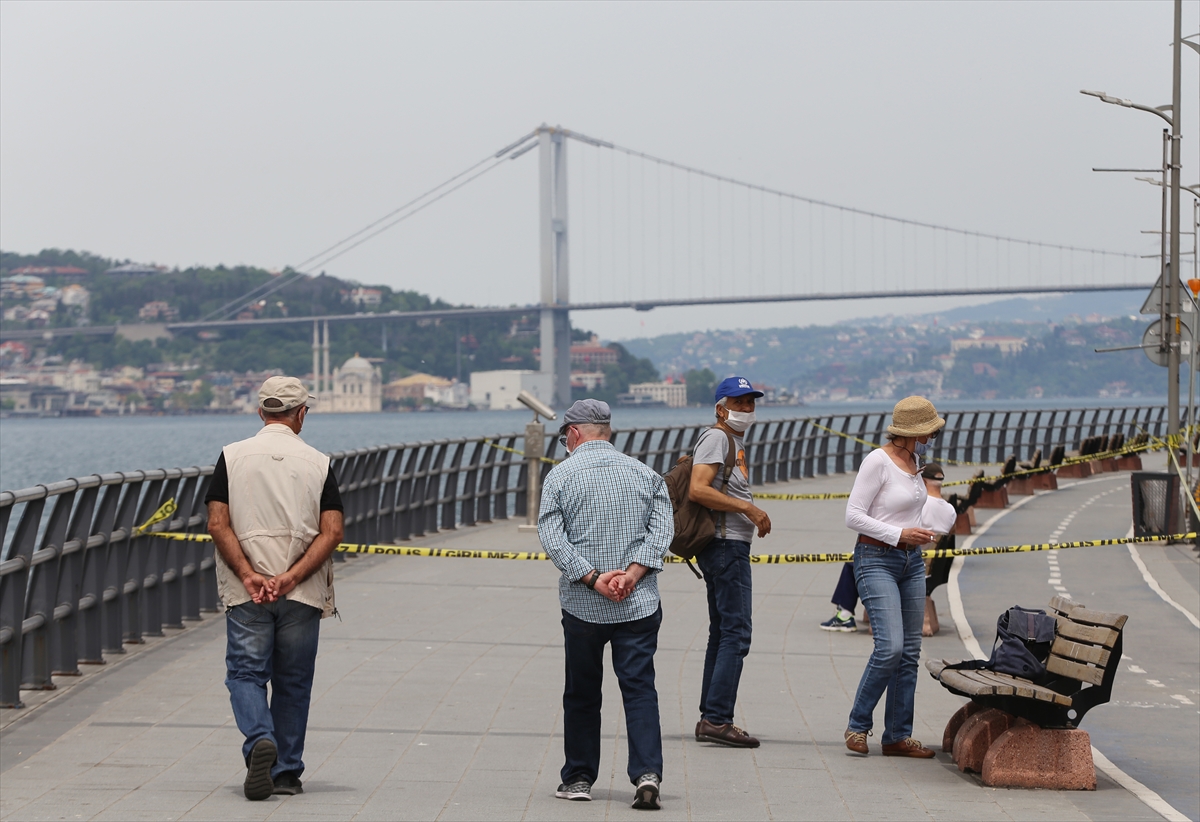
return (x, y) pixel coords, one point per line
(585, 412)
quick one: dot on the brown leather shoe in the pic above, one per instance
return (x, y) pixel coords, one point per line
(908, 747)
(730, 735)
(857, 741)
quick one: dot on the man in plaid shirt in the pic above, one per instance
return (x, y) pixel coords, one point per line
(606, 522)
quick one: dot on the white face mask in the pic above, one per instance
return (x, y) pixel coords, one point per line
(740, 420)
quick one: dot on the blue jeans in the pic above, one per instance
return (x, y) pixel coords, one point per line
(633, 647)
(891, 583)
(273, 642)
(726, 567)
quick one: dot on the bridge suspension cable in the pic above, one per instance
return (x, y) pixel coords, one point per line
(648, 230)
(313, 264)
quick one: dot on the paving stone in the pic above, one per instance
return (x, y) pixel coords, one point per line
(439, 696)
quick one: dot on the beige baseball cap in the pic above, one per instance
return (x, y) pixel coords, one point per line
(279, 394)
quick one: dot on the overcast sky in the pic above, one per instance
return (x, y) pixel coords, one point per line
(258, 133)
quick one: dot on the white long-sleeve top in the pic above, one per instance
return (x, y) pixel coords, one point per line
(885, 499)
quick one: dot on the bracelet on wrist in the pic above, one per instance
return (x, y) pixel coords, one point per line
(591, 583)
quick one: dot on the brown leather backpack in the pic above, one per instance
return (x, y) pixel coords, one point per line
(695, 525)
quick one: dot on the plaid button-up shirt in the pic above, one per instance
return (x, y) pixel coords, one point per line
(604, 510)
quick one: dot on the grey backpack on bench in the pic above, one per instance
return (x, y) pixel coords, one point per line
(1023, 640)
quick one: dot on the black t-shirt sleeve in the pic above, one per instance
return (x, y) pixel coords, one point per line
(331, 498)
(218, 488)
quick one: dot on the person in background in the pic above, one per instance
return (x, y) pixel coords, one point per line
(845, 600)
(937, 515)
(606, 522)
(275, 516)
(885, 510)
(725, 561)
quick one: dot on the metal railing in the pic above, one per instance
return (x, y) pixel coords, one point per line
(78, 581)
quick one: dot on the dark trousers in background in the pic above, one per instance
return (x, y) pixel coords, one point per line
(845, 595)
(633, 646)
(726, 567)
(273, 642)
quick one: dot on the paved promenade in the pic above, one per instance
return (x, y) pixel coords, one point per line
(438, 696)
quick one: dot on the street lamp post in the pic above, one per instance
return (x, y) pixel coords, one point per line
(1173, 119)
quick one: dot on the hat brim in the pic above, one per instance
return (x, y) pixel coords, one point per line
(749, 392)
(917, 431)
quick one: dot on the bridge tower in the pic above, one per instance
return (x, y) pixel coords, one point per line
(555, 293)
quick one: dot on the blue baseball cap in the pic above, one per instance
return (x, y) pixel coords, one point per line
(736, 387)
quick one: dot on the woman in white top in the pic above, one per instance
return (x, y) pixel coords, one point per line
(885, 510)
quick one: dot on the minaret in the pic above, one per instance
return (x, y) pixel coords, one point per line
(328, 380)
(316, 372)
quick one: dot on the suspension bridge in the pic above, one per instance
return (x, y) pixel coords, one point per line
(638, 231)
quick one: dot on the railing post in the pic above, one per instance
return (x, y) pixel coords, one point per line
(535, 448)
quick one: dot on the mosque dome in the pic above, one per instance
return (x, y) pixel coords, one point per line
(357, 363)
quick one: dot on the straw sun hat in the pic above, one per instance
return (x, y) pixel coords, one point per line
(914, 417)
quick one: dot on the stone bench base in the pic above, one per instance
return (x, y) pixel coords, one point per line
(1045, 481)
(993, 499)
(1076, 470)
(1009, 752)
(1021, 487)
(1131, 462)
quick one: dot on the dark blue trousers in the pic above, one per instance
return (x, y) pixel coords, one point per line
(633, 646)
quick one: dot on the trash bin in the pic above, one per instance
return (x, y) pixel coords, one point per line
(1157, 504)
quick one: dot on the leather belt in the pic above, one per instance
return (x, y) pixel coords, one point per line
(878, 543)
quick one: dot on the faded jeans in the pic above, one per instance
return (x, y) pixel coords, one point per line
(891, 584)
(273, 642)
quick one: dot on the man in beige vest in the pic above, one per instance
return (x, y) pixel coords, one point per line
(275, 515)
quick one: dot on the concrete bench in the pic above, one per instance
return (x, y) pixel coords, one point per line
(1018, 733)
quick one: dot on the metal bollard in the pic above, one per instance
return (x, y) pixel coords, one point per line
(535, 448)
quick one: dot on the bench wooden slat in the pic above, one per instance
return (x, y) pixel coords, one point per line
(1020, 687)
(936, 666)
(1101, 618)
(1063, 605)
(1080, 653)
(969, 682)
(1029, 690)
(1090, 634)
(1065, 667)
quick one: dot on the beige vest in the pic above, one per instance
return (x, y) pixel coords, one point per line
(275, 483)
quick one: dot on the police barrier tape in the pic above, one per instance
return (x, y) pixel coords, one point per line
(757, 559)
(946, 461)
(521, 454)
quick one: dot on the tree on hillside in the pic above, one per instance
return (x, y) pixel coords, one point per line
(701, 386)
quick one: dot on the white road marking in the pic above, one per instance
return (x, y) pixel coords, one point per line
(959, 614)
(1155, 683)
(1151, 799)
(1182, 699)
(1153, 583)
(1135, 669)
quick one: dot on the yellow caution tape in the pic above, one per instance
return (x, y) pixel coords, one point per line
(946, 461)
(802, 496)
(519, 453)
(164, 512)
(757, 559)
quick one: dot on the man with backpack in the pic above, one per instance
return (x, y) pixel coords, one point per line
(720, 481)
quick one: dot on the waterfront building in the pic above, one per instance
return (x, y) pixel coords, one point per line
(497, 390)
(421, 389)
(670, 394)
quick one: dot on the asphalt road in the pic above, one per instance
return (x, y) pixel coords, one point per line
(1151, 728)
